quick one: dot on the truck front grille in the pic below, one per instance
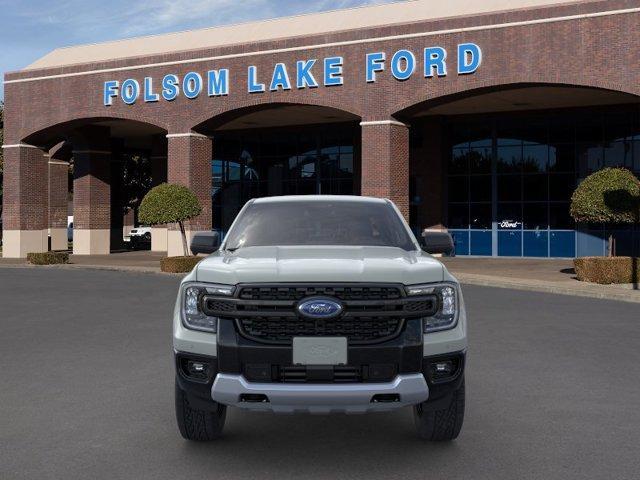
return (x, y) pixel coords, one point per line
(341, 292)
(372, 313)
(356, 329)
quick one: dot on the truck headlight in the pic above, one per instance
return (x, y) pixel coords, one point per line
(191, 305)
(446, 317)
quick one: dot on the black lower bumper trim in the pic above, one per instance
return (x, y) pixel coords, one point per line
(262, 362)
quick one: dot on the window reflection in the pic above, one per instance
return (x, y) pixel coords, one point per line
(530, 164)
(261, 163)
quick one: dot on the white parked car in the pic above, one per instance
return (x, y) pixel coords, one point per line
(141, 232)
(139, 236)
(319, 304)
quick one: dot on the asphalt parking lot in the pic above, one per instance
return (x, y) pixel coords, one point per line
(86, 391)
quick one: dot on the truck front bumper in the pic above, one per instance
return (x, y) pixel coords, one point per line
(404, 390)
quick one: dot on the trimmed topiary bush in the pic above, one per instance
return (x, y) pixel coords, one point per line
(169, 203)
(607, 270)
(611, 195)
(607, 196)
(48, 258)
(178, 264)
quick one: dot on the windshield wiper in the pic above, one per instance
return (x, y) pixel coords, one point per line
(233, 249)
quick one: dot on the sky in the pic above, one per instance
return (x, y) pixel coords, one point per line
(31, 28)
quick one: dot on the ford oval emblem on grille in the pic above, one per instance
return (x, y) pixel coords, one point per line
(319, 308)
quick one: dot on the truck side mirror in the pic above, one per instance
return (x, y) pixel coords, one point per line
(437, 242)
(205, 242)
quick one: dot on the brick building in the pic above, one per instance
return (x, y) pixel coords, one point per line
(475, 116)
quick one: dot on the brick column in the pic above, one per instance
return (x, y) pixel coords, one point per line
(158, 159)
(385, 162)
(92, 192)
(25, 201)
(58, 198)
(189, 164)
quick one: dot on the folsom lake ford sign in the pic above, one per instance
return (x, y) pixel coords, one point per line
(309, 73)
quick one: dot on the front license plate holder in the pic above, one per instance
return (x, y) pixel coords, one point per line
(320, 350)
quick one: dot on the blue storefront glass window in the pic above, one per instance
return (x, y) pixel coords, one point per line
(510, 244)
(591, 243)
(535, 244)
(510, 179)
(481, 242)
(562, 244)
(461, 241)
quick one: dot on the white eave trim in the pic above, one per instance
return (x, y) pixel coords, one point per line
(383, 122)
(189, 134)
(21, 145)
(333, 44)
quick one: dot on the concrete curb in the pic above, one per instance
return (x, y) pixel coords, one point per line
(113, 268)
(604, 292)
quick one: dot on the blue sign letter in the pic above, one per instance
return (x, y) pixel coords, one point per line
(218, 82)
(110, 92)
(469, 58)
(409, 60)
(130, 91)
(149, 96)
(333, 71)
(375, 63)
(170, 88)
(254, 86)
(280, 78)
(435, 57)
(304, 77)
(192, 85)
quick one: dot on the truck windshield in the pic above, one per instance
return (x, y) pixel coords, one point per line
(349, 223)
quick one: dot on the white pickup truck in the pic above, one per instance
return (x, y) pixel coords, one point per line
(319, 304)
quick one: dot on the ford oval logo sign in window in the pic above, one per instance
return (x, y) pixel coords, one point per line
(319, 308)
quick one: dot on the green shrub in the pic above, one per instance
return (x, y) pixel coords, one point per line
(48, 258)
(611, 195)
(178, 264)
(607, 270)
(169, 203)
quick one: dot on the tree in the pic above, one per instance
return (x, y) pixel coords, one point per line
(169, 203)
(611, 195)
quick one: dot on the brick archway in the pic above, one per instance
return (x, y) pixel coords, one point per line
(36, 184)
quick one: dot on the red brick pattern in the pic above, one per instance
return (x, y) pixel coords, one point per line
(158, 159)
(189, 164)
(598, 52)
(58, 188)
(91, 190)
(385, 163)
(25, 189)
(593, 52)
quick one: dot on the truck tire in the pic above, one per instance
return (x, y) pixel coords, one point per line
(196, 424)
(441, 425)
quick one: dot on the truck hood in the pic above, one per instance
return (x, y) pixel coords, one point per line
(320, 264)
